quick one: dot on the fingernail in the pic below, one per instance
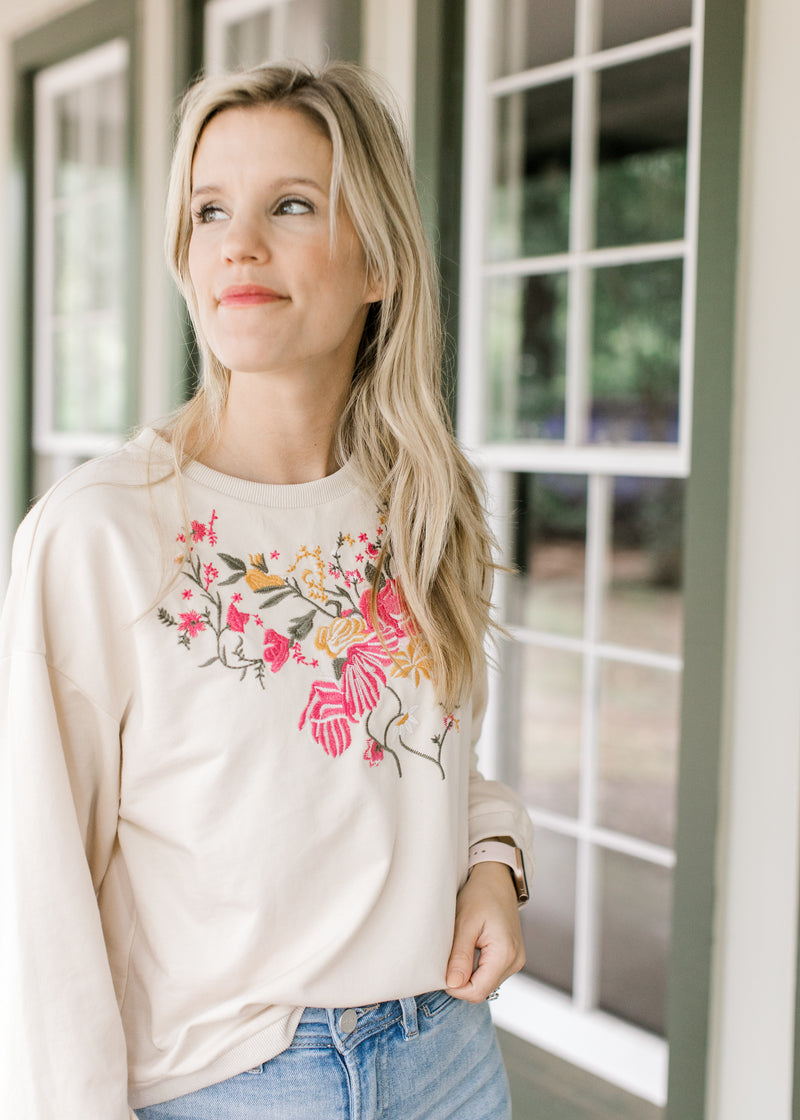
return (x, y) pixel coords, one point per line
(455, 979)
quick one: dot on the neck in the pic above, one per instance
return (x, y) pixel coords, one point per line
(277, 432)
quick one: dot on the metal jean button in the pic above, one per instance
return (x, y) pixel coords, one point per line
(348, 1021)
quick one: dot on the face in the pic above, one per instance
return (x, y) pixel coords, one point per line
(273, 294)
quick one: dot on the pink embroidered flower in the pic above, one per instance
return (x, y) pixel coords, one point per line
(274, 554)
(374, 752)
(236, 598)
(372, 550)
(391, 614)
(362, 677)
(359, 557)
(198, 531)
(276, 649)
(362, 537)
(210, 573)
(330, 726)
(192, 623)
(212, 536)
(187, 593)
(236, 620)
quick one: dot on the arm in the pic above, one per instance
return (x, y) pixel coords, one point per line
(487, 942)
(62, 1048)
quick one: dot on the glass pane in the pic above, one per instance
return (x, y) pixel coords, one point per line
(108, 252)
(542, 712)
(641, 173)
(248, 41)
(529, 205)
(624, 22)
(643, 604)
(634, 938)
(526, 344)
(111, 124)
(638, 741)
(548, 921)
(70, 172)
(295, 29)
(546, 591)
(72, 283)
(636, 352)
(530, 33)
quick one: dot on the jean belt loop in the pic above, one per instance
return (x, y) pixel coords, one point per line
(408, 1008)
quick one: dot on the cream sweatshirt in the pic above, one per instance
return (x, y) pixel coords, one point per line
(223, 799)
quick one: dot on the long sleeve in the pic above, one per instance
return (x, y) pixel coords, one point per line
(494, 809)
(63, 1051)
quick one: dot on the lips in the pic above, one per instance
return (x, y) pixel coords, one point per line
(247, 295)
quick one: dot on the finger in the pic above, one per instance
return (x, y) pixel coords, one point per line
(463, 957)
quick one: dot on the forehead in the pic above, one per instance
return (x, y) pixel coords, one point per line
(260, 138)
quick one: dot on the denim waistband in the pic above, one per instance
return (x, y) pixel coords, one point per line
(348, 1026)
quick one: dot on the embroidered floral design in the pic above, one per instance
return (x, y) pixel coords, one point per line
(357, 662)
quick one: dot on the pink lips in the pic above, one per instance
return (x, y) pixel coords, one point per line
(247, 295)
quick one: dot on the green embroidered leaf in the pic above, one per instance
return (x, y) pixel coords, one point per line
(301, 627)
(369, 572)
(165, 617)
(210, 661)
(276, 596)
(231, 579)
(233, 562)
(338, 667)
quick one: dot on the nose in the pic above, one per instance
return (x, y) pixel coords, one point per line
(245, 240)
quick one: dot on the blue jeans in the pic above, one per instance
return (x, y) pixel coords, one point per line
(429, 1058)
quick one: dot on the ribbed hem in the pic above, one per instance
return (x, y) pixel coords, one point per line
(301, 495)
(268, 1043)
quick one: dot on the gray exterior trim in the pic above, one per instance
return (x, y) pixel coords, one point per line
(706, 536)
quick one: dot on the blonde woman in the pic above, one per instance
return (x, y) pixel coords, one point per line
(251, 870)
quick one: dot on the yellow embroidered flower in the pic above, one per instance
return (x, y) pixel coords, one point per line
(342, 633)
(258, 578)
(316, 586)
(414, 662)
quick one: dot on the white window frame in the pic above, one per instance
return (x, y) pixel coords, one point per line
(572, 1027)
(111, 58)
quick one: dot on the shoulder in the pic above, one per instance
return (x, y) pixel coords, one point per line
(101, 496)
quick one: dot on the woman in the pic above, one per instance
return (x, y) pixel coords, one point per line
(244, 675)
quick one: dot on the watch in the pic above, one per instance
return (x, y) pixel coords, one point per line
(502, 851)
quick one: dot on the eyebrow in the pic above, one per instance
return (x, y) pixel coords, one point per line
(276, 184)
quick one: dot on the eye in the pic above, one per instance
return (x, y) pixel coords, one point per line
(209, 212)
(290, 206)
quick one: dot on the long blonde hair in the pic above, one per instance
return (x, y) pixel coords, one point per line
(394, 425)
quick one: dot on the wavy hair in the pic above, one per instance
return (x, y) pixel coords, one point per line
(394, 425)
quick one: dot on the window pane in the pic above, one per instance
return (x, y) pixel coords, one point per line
(547, 590)
(70, 175)
(624, 22)
(529, 207)
(293, 29)
(638, 743)
(548, 921)
(641, 174)
(643, 605)
(636, 352)
(526, 343)
(248, 40)
(542, 711)
(530, 33)
(634, 939)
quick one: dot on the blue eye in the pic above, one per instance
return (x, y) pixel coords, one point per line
(294, 206)
(210, 212)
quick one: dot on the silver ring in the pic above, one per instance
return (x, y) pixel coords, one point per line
(494, 994)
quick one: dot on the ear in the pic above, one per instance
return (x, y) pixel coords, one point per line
(375, 290)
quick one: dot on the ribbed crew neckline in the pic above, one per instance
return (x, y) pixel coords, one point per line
(300, 495)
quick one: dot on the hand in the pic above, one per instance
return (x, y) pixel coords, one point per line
(487, 919)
